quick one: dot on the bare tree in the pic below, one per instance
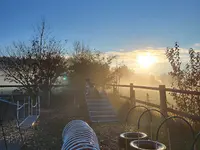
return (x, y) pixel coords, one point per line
(37, 63)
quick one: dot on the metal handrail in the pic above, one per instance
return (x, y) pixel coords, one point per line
(149, 110)
(177, 117)
(22, 106)
(34, 105)
(195, 140)
(127, 115)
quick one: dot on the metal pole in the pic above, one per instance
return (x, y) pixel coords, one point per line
(29, 105)
(24, 107)
(39, 104)
(17, 110)
(37, 108)
(12, 99)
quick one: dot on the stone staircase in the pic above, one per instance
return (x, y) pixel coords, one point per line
(100, 109)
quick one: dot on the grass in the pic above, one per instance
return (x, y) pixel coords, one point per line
(180, 134)
(66, 107)
(48, 132)
(154, 97)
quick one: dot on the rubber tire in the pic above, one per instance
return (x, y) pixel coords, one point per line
(147, 145)
(125, 138)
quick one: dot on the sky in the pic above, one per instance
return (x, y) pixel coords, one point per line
(123, 27)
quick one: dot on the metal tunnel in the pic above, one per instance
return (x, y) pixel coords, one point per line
(78, 135)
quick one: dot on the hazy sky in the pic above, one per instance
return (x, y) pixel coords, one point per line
(107, 25)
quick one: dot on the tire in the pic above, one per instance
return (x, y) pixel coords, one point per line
(146, 145)
(126, 137)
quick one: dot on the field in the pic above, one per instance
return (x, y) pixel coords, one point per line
(180, 134)
(141, 94)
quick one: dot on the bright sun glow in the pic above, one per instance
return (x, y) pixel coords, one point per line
(146, 61)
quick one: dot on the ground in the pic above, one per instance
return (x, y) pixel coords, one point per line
(47, 134)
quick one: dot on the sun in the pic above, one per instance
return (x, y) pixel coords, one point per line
(146, 61)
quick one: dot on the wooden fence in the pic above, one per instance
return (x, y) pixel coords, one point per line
(163, 99)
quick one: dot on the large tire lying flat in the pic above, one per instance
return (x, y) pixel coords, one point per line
(126, 137)
(146, 145)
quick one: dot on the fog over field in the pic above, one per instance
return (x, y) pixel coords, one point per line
(149, 80)
(2, 82)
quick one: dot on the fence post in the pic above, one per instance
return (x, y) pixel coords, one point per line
(132, 94)
(147, 99)
(163, 100)
(114, 89)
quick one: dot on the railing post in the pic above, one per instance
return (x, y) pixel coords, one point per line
(39, 105)
(163, 100)
(12, 99)
(132, 95)
(24, 107)
(29, 105)
(147, 99)
(17, 110)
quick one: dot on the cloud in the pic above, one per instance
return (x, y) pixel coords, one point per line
(197, 45)
(162, 65)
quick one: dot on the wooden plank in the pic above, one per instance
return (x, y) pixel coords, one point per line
(104, 116)
(143, 102)
(100, 108)
(94, 113)
(184, 114)
(105, 120)
(136, 86)
(125, 97)
(156, 88)
(182, 91)
(118, 85)
(98, 104)
(180, 113)
(148, 103)
(17, 86)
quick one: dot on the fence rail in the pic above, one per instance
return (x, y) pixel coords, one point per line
(157, 88)
(163, 100)
(18, 86)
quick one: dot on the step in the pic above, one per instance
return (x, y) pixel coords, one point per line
(98, 103)
(96, 99)
(103, 116)
(110, 112)
(107, 119)
(100, 108)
